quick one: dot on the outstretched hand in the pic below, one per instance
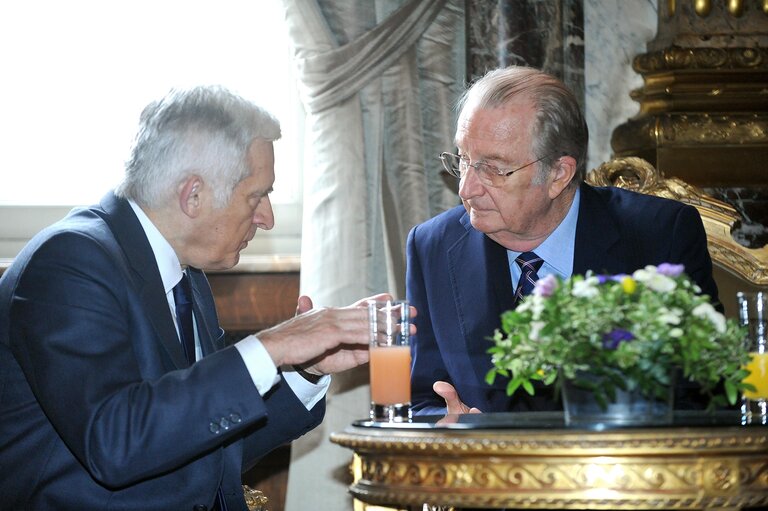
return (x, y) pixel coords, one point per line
(324, 340)
(452, 402)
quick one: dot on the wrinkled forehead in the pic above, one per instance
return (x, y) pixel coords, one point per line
(509, 123)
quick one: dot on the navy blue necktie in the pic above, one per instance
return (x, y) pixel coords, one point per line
(182, 295)
(529, 264)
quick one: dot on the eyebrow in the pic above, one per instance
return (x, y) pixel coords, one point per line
(263, 193)
(492, 157)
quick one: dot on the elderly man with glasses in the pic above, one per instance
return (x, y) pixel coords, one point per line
(526, 213)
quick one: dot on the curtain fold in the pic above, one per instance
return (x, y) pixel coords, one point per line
(379, 80)
(331, 75)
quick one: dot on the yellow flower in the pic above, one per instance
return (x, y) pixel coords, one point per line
(629, 285)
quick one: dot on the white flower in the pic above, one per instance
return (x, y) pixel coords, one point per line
(536, 327)
(670, 316)
(586, 288)
(705, 310)
(655, 280)
(676, 332)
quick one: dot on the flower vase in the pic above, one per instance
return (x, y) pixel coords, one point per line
(629, 408)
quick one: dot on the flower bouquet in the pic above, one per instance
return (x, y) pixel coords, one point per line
(630, 332)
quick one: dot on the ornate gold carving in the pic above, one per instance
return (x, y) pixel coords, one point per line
(255, 499)
(674, 58)
(678, 468)
(736, 8)
(719, 218)
(702, 7)
(671, 8)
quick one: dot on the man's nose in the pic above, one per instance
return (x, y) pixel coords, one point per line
(470, 185)
(264, 216)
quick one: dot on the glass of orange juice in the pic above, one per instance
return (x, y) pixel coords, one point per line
(753, 313)
(390, 360)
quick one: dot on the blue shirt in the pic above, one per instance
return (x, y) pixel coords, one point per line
(557, 250)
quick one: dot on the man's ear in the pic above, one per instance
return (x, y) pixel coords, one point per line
(190, 199)
(561, 175)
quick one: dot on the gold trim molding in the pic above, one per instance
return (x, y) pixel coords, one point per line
(682, 468)
(693, 129)
(677, 58)
(703, 8)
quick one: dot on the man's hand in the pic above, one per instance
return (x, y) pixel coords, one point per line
(452, 402)
(321, 341)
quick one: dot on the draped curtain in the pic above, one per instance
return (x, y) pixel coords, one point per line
(379, 80)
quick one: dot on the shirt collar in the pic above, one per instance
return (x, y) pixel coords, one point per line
(167, 260)
(558, 249)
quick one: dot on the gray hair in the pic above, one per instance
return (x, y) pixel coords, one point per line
(205, 131)
(559, 129)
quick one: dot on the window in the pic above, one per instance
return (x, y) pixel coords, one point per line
(78, 73)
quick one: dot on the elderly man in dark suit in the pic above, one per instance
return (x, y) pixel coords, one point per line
(116, 388)
(526, 213)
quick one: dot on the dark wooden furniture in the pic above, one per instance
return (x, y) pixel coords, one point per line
(248, 302)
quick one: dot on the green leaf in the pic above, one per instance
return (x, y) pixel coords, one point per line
(528, 387)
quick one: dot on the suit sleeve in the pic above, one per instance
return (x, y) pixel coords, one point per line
(82, 335)
(427, 362)
(689, 247)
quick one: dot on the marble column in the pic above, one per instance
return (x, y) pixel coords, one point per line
(546, 34)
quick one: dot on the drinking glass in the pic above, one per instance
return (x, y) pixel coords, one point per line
(753, 313)
(390, 360)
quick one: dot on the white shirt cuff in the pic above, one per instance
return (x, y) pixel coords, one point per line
(264, 373)
(258, 362)
(308, 393)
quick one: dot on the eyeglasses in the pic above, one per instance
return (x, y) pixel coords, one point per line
(458, 166)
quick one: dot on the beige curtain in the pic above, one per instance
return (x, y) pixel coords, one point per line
(379, 80)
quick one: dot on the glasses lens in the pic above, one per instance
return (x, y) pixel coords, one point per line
(488, 174)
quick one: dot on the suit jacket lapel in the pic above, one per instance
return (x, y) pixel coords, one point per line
(596, 235)
(482, 291)
(131, 237)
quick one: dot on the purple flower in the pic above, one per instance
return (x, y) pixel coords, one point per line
(670, 270)
(602, 279)
(545, 286)
(615, 337)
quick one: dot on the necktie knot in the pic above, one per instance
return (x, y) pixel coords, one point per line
(529, 261)
(182, 291)
(529, 264)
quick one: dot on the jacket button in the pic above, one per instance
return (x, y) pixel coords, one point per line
(235, 418)
(214, 428)
(200, 507)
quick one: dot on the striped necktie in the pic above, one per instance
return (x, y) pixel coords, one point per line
(529, 264)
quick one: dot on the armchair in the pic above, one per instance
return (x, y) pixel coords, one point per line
(736, 267)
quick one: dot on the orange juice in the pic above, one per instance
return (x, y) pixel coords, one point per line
(390, 375)
(758, 368)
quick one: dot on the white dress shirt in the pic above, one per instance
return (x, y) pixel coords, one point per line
(256, 358)
(556, 251)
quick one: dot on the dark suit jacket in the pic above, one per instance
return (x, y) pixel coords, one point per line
(460, 283)
(98, 409)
